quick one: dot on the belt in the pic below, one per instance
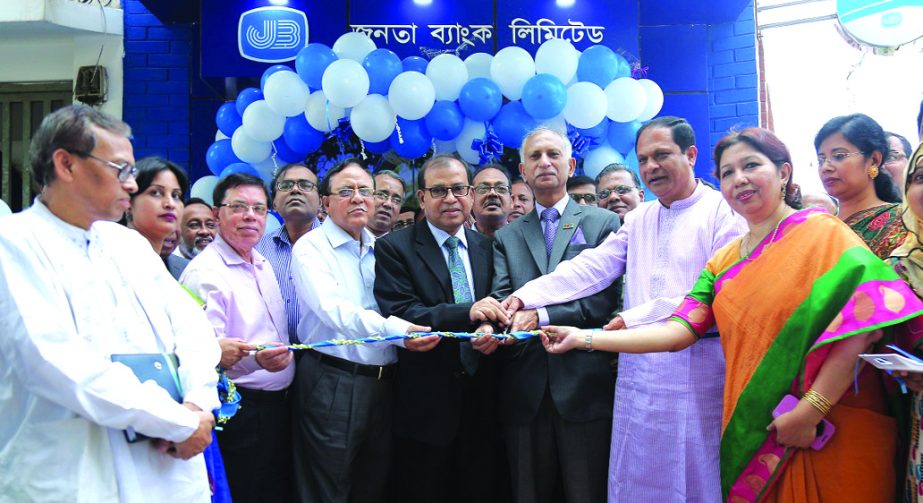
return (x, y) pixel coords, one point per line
(379, 372)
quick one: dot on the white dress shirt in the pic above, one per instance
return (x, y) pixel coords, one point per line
(70, 298)
(560, 206)
(334, 276)
(441, 236)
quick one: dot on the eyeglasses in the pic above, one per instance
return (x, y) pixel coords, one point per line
(126, 170)
(589, 198)
(241, 208)
(457, 191)
(618, 189)
(895, 156)
(400, 224)
(195, 225)
(288, 185)
(483, 189)
(347, 193)
(835, 158)
(384, 196)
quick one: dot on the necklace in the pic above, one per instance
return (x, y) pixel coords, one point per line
(746, 246)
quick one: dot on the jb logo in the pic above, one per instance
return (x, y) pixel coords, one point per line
(272, 34)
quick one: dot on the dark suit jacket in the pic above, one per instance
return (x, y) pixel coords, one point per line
(412, 282)
(581, 383)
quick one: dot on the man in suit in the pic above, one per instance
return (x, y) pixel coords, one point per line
(556, 412)
(431, 274)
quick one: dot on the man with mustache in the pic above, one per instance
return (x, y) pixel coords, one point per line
(523, 199)
(618, 189)
(438, 273)
(197, 228)
(295, 199)
(667, 417)
(492, 201)
(556, 412)
(244, 304)
(389, 195)
(342, 407)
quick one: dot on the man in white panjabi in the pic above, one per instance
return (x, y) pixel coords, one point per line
(76, 288)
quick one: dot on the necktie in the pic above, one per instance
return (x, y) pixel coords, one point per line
(460, 289)
(550, 217)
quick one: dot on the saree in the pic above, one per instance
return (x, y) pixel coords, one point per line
(880, 227)
(810, 283)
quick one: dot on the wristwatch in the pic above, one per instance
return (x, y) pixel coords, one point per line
(588, 341)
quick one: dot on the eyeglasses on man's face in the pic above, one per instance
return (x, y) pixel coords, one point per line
(383, 196)
(349, 192)
(482, 189)
(835, 158)
(242, 208)
(618, 189)
(126, 170)
(589, 198)
(288, 185)
(440, 191)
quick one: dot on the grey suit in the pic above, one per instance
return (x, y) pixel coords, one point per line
(557, 409)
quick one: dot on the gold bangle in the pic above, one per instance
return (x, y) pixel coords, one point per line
(818, 401)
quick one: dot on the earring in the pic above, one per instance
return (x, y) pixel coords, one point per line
(873, 172)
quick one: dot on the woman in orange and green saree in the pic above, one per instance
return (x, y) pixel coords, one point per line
(795, 300)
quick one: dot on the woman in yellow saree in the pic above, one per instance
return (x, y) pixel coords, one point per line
(795, 300)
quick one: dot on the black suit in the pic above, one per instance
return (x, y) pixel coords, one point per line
(444, 418)
(557, 409)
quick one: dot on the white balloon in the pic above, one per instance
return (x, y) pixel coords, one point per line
(448, 74)
(321, 114)
(654, 100)
(249, 149)
(203, 188)
(267, 168)
(220, 136)
(599, 158)
(4, 209)
(286, 93)
(478, 65)
(470, 131)
(272, 225)
(557, 57)
(373, 119)
(412, 95)
(510, 69)
(345, 83)
(586, 105)
(556, 123)
(627, 99)
(261, 123)
(353, 45)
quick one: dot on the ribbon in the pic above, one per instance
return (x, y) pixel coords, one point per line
(490, 147)
(229, 398)
(581, 144)
(639, 72)
(343, 133)
(412, 335)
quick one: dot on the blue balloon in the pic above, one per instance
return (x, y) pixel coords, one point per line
(228, 119)
(512, 124)
(544, 96)
(414, 64)
(239, 167)
(598, 64)
(287, 153)
(480, 99)
(382, 66)
(300, 136)
(624, 69)
(622, 135)
(220, 155)
(247, 96)
(379, 147)
(311, 62)
(598, 131)
(414, 140)
(271, 70)
(445, 121)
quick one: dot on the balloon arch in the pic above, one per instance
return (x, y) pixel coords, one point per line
(355, 92)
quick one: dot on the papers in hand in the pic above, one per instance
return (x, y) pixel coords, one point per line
(891, 361)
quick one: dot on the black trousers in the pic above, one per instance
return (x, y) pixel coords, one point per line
(551, 455)
(342, 434)
(256, 446)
